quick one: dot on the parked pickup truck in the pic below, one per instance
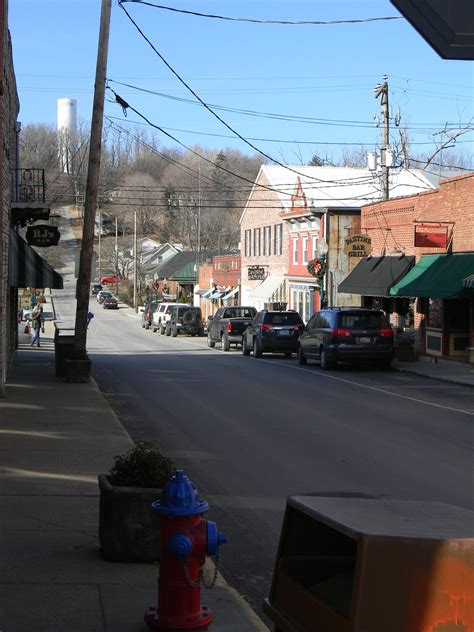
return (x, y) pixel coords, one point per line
(228, 325)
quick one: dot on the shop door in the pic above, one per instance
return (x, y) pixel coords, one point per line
(457, 327)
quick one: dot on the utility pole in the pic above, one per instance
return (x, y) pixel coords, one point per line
(382, 92)
(78, 368)
(116, 256)
(135, 262)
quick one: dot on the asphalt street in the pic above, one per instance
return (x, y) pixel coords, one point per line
(250, 432)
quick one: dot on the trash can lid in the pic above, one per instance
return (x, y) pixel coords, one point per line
(180, 498)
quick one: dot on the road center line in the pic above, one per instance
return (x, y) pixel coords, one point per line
(341, 379)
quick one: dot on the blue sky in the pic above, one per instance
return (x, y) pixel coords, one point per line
(320, 72)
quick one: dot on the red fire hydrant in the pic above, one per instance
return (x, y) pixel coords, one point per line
(185, 540)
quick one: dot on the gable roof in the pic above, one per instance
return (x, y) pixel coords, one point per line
(181, 259)
(338, 187)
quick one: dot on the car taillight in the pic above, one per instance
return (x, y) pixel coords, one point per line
(386, 333)
(341, 333)
(229, 328)
(266, 327)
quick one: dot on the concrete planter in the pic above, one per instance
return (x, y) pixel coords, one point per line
(128, 528)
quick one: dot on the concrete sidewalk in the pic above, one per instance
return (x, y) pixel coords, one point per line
(55, 439)
(444, 370)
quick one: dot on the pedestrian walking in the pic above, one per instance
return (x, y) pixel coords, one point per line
(37, 320)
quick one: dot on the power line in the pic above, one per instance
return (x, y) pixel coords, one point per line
(274, 115)
(271, 140)
(255, 21)
(265, 155)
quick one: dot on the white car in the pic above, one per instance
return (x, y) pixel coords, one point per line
(162, 316)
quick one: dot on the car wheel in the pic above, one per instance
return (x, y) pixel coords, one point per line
(201, 333)
(385, 365)
(301, 356)
(167, 331)
(326, 365)
(162, 330)
(147, 325)
(153, 329)
(225, 344)
(210, 342)
(143, 325)
(257, 349)
(288, 354)
(245, 351)
(174, 332)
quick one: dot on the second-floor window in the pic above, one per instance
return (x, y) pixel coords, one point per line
(304, 241)
(314, 246)
(264, 241)
(295, 250)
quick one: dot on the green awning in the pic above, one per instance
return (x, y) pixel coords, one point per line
(26, 268)
(469, 282)
(437, 276)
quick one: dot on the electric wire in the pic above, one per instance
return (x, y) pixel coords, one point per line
(254, 147)
(256, 21)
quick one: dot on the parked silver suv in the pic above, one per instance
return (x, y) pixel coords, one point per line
(162, 315)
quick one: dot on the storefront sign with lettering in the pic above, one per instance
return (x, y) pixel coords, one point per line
(42, 235)
(358, 246)
(256, 273)
(431, 236)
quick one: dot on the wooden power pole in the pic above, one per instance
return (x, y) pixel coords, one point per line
(382, 92)
(78, 368)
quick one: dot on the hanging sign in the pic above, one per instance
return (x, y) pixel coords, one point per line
(431, 236)
(42, 235)
(358, 246)
(256, 273)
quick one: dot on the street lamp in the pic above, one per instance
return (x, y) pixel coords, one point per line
(322, 251)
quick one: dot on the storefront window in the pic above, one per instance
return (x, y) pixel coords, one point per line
(435, 313)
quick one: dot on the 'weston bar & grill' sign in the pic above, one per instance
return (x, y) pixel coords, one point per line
(358, 246)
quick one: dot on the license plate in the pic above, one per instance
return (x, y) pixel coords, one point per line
(284, 332)
(365, 340)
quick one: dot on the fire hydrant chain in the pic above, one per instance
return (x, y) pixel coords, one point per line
(195, 584)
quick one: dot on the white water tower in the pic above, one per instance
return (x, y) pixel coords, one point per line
(67, 124)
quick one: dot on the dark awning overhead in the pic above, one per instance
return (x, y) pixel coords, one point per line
(27, 269)
(374, 276)
(437, 276)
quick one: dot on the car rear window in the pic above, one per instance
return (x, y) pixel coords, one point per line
(363, 320)
(239, 312)
(283, 318)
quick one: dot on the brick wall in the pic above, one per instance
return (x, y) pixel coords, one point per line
(263, 211)
(8, 114)
(390, 223)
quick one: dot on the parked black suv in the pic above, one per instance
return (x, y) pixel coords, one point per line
(186, 320)
(274, 332)
(347, 334)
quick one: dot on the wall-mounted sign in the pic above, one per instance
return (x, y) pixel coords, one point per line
(431, 236)
(256, 273)
(358, 246)
(42, 235)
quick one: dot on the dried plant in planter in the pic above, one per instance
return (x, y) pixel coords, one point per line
(141, 466)
(128, 528)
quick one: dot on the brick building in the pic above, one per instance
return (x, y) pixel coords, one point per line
(8, 115)
(430, 235)
(288, 214)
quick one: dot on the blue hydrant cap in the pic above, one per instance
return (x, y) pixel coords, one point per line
(180, 498)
